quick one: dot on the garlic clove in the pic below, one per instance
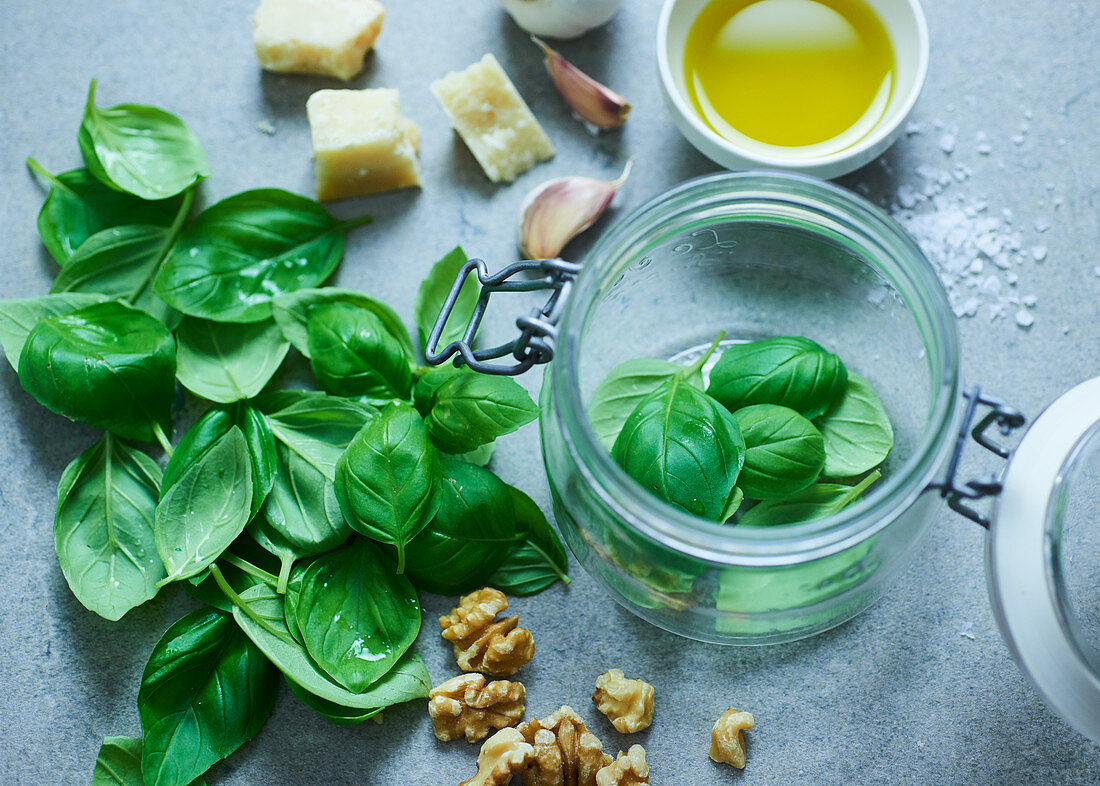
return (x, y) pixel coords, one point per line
(557, 211)
(592, 102)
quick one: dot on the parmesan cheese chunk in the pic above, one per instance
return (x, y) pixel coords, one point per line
(361, 143)
(493, 120)
(327, 37)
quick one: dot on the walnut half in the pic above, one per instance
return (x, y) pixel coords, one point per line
(566, 752)
(466, 706)
(629, 769)
(498, 648)
(628, 704)
(502, 755)
(727, 746)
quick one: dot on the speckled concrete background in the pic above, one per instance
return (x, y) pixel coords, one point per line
(920, 689)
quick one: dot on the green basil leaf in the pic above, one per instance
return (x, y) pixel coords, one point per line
(215, 424)
(108, 365)
(789, 370)
(204, 511)
(784, 452)
(78, 206)
(353, 354)
(18, 317)
(238, 254)
(121, 262)
(432, 293)
(311, 432)
(139, 149)
(119, 764)
(621, 390)
(425, 389)
(103, 527)
(737, 497)
(205, 691)
(857, 431)
(228, 362)
(470, 410)
(682, 446)
(470, 534)
(388, 480)
(536, 561)
(209, 592)
(264, 623)
(291, 311)
(818, 501)
(290, 601)
(356, 616)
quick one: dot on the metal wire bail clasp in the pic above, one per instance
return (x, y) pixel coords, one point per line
(1007, 420)
(537, 330)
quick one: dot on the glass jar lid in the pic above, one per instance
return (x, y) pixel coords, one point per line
(1043, 556)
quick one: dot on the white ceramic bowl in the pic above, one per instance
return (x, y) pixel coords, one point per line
(908, 32)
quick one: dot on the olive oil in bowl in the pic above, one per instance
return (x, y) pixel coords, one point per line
(807, 76)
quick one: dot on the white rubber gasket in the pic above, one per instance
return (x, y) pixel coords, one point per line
(1018, 562)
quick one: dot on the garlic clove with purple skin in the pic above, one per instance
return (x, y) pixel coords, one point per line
(557, 211)
(592, 102)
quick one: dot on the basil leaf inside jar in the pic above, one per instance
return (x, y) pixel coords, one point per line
(784, 453)
(857, 431)
(791, 371)
(684, 447)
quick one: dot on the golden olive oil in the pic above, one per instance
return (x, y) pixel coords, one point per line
(790, 73)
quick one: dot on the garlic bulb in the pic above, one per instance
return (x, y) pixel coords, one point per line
(560, 18)
(560, 209)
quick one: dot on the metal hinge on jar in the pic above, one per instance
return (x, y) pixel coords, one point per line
(1007, 419)
(538, 329)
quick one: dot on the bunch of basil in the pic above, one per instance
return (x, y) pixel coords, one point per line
(305, 519)
(751, 448)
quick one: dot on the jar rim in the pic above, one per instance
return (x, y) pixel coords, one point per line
(909, 271)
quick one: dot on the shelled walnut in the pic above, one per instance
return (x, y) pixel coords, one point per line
(628, 704)
(566, 752)
(727, 746)
(499, 648)
(630, 769)
(467, 706)
(501, 756)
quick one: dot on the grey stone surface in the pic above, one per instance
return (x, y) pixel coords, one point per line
(920, 689)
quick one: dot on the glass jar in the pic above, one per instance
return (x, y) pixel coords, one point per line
(755, 255)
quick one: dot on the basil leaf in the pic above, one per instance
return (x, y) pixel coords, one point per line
(682, 446)
(121, 262)
(311, 432)
(857, 431)
(789, 370)
(470, 534)
(292, 309)
(78, 206)
(205, 691)
(538, 560)
(388, 480)
(139, 149)
(470, 410)
(353, 354)
(784, 452)
(214, 425)
(103, 527)
(818, 501)
(108, 365)
(264, 623)
(238, 254)
(18, 317)
(432, 294)
(119, 764)
(205, 510)
(208, 590)
(356, 616)
(227, 362)
(621, 390)
(426, 387)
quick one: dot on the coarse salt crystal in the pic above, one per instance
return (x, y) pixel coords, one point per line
(1039, 253)
(1042, 224)
(947, 143)
(985, 149)
(1029, 300)
(1025, 318)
